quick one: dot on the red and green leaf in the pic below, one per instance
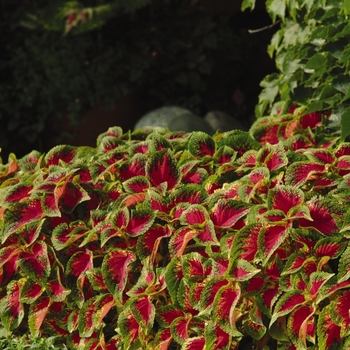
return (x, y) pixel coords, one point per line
(321, 214)
(11, 308)
(37, 313)
(161, 168)
(148, 243)
(317, 281)
(195, 216)
(136, 184)
(179, 240)
(63, 235)
(129, 328)
(162, 339)
(322, 156)
(79, 263)
(272, 156)
(201, 144)
(344, 266)
(173, 276)
(227, 212)
(193, 265)
(96, 279)
(301, 325)
(194, 343)
(243, 270)
(286, 304)
(9, 252)
(179, 328)
(190, 193)
(167, 314)
(59, 153)
(20, 214)
(224, 305)
(328, 332)
(246, 243)
(115, 270)
(210, 290)
(253, 324)
(17, 193)
(340, 312)
(134, 167)
(285, 198)
(35, 262)
(270, 239)
(299, 173)
(144, 312)
(55, 289)
(294, 263)
(31, 291)
(140, 221)
(216, 338)
(331, 247)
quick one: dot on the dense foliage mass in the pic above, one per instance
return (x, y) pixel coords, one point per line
(156, 240)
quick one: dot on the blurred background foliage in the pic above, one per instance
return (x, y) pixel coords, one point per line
(59, 59)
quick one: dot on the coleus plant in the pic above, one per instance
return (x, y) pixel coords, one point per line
(159, 240)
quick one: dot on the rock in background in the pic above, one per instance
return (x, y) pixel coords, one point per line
(181, 119)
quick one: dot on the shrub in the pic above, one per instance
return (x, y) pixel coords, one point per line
(170, 240)
(311, 53)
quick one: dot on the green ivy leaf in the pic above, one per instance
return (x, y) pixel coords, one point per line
(276, 8)
(246, 4)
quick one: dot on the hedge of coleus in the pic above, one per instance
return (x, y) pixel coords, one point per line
(158, 240)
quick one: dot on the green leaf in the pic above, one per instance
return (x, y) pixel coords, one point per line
(246, 4)
(345, 124)
(346, 7)
(316, 63)
(276, 8)
(271, 85)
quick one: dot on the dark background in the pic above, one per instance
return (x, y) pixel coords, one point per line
(57, 88)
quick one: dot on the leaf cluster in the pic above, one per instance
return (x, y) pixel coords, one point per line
(156, 239)
(311, 53)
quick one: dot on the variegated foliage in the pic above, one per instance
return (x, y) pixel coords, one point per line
(168, 240)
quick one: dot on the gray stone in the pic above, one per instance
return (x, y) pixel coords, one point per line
(175, 118)
(189, 123)
(222, 122)
(160, 117)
